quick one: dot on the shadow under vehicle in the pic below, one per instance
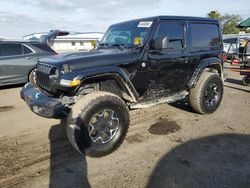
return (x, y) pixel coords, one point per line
(67, 168)
(214, 161)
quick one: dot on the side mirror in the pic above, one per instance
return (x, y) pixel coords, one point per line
(160, 43)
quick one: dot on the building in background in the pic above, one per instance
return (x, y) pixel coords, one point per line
(72, 42)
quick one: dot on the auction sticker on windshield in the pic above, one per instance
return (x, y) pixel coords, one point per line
(145, 24)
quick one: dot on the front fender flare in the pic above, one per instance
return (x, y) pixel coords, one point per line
(116, 73)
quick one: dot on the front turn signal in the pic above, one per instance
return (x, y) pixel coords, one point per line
(70, 83)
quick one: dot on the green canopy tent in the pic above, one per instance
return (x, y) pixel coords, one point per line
(244, 24)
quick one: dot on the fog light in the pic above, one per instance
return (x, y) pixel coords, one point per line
(38, 109)
(42, 110)
(35, 109)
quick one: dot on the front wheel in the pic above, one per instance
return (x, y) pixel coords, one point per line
(98, 123)
(32, 77)
(206, 96)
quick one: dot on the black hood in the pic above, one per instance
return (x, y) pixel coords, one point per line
(95, 58)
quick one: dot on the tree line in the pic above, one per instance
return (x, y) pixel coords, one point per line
(228, 22)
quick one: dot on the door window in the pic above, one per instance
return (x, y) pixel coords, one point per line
(174, 32)
(26, 50)
(11, 49)
(205, 36)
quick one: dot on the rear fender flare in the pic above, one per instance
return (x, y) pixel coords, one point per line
(213, 62)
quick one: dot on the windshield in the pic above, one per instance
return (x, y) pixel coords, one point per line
(124, 34)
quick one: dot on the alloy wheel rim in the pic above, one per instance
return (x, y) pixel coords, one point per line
(103, 126)
(211, 95)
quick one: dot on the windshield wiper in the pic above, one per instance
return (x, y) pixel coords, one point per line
(103, 44)
(121, 46)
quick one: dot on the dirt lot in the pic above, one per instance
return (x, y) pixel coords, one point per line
(167, 146)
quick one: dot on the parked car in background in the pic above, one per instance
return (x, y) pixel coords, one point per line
(18, 58)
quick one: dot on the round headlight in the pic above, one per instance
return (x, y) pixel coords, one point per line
(66, 68)
(54, 73)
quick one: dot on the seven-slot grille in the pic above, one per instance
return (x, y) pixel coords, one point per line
(43, 72)
(44, 68)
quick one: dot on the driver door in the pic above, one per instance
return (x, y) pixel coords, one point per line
(168, 68)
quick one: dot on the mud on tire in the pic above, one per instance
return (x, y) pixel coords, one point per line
(98, 123)
(206, 96)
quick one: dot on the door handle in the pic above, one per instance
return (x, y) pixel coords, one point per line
(28, 57)
(185, 59)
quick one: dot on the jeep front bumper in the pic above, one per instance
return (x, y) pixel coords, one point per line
(41, 104)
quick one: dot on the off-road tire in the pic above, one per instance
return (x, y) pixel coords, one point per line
(32, 78)
(246, 81)
(197, 94)
(78, 123)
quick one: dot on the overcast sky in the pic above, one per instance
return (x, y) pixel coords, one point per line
(21, 17)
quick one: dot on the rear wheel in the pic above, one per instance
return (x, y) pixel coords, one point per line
(206, 96)
(246, 81)
(98, 123)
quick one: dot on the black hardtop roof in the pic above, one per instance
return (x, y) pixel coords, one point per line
(186, 18)
(190, 18)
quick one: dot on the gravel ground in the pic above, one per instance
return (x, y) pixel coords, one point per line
(166, 146)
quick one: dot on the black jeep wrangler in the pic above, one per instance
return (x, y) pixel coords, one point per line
(137, 64)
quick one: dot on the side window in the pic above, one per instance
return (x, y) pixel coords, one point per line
(174, 32)
(205, 36)
(26, 50)
(11, 49)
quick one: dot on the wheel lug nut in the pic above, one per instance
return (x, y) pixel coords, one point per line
(93, 120)
(106, 115)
